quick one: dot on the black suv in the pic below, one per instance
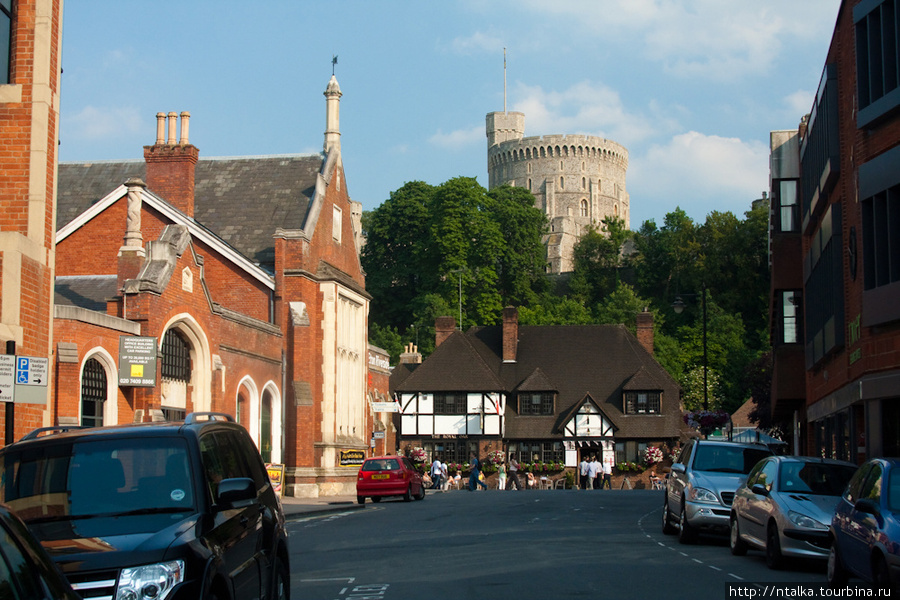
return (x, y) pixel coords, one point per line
(158, 510)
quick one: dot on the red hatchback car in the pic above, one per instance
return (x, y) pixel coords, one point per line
(389, 476)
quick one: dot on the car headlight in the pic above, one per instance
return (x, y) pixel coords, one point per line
(150, 581)
(699, 494)
(801, 520)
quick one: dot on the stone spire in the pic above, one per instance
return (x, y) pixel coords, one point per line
(332, 115)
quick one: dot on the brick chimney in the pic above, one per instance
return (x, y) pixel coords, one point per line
(645, 330)
(411, 355)
(443, 327)
(171, 163)
(510, 333)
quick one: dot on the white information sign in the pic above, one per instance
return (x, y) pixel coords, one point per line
(7, 377)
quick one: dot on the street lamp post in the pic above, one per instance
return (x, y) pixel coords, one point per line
(678, 307)
(459, 272)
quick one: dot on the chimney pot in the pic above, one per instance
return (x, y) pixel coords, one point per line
(160, 128)
(170, 138)
(185, 119)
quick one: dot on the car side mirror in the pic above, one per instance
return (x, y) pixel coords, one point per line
(864, 505)
(759, 489)
(678, 468)
(235, 490)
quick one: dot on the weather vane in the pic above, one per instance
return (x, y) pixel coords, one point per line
(333, 63)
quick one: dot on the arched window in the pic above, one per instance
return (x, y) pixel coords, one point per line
(93, 393)
(561, 182)
(176, 374)
(583, 183)
(584, 208)
(265, 427)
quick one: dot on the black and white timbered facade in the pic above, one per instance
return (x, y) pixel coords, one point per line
(539, 393)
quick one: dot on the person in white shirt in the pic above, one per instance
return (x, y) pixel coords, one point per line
(593, 470)
(436, 473)
(607, 476)
(583, 472)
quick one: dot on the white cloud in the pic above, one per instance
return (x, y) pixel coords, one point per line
(586, 108)
(800, 102)
(706, 39)
(93, 123)
(700, 173)
(476, 43)
(459, 139)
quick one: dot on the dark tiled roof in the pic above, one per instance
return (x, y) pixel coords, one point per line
(85, 291)
(580, 360)
(242, 200)
(537, 382)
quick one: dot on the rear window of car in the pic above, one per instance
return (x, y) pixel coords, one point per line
(381, 464)
(723, 458)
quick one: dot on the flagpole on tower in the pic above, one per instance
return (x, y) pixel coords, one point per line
(333, 63)
(504, 80)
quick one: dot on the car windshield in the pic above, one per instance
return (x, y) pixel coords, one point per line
(820, 479)
(381, 464)
(108, 477)
(725, 458)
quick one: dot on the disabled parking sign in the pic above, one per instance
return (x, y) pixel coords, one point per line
(31, 370)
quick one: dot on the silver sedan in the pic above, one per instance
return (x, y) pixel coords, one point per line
(786, 505)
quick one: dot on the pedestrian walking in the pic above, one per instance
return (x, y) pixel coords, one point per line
(607, 476)
(436, 473)
(583, 472)
(593, 471)
(513, 475)
(501, 476)
(474, 476)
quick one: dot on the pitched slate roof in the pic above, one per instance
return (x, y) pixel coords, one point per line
(573, 360)
(242, 200)
(85, 291)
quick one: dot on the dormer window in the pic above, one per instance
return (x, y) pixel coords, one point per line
(642, 403)
(536, 403)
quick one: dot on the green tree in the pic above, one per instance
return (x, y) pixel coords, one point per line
(597, 260)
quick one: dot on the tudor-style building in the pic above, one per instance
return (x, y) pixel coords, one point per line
(539, 393)
(244, 275)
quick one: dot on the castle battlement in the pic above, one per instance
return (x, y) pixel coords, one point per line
(577, 180)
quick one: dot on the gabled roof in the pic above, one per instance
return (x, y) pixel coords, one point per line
(536, 382)
(454, 366)
(642, 380)
(570, 414)
(176, 217)
(575, 361)
(242, 200)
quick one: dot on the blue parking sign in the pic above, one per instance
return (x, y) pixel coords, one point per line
(22, 369)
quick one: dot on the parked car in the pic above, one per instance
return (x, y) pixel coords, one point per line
(865, 530)
(786, 506)
(26, 571)
(701, 486)
(389, 476)
(171, 511)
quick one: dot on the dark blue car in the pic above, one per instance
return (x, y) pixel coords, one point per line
(865, 529)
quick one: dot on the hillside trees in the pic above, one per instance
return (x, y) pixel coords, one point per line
(453, 249)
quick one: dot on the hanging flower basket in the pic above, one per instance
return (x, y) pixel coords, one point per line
(706, 420)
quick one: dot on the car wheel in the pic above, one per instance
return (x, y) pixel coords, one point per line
(774, 557)
(880, 574)
(835, 571)
(738, 546)
(421, 495)
(408, 495)
(361, 499)
(376, 499)
(282, 586)
(668, 528)
(686, 533)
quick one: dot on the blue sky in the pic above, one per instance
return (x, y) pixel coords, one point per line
(691, 87)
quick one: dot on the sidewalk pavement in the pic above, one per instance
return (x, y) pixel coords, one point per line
(295, 508)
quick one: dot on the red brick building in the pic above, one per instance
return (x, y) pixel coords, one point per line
(835, 295)
(29, 116)
(244, 273)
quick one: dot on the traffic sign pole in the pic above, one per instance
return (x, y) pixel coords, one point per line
(10, 406)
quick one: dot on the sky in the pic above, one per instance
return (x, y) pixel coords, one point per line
(691, 88)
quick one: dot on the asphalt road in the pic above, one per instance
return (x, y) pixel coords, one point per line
(520, 545)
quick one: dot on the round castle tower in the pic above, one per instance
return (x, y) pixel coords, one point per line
(577, 180)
